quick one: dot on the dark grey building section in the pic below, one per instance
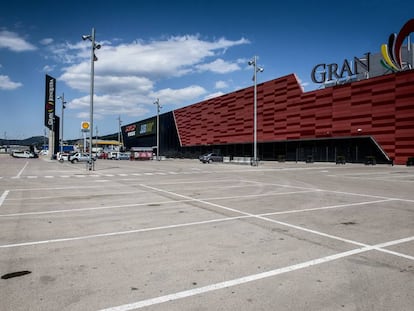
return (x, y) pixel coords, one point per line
(144, 134)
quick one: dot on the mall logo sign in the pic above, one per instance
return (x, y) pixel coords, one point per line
(323, 73)
(391, 53)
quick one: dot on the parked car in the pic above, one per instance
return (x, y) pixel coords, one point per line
(63, 156)
(80, 157)
(112, 155)
(210, 157)
(122, 156)
(24, 154)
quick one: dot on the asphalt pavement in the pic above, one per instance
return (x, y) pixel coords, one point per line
(181, 235)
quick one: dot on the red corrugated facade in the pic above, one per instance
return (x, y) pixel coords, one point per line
(381, 107)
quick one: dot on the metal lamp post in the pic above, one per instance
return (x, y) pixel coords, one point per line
(157, 102)
(62, 98)
(257, 69)
(119, 133)
(94, 46)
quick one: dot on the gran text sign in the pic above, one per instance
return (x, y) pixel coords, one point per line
(323, 73)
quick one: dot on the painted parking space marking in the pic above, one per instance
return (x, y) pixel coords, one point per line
(117, 233)
(190, 200)
(250, 278)
(3, 197)
(333, 191)
(21, 171)
(273, 270)
(299, 228)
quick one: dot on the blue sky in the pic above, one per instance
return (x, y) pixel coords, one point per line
(181, 52)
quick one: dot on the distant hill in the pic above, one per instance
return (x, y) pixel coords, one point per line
(32, 141)
(40, 140)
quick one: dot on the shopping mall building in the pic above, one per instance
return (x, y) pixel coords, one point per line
(363, 110)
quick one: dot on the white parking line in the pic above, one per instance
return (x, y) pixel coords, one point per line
(117, 233)
(300, 228)
(250, 278)
(21, 171)
(332, 191)
(3, 197)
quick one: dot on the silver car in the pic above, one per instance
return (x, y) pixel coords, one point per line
(80, 157)
(210, 157)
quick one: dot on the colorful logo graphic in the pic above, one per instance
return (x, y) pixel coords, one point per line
(392, 52)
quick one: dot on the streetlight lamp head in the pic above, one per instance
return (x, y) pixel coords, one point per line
(250, 62)
(86, 37)
(260, 69)
(98, 46)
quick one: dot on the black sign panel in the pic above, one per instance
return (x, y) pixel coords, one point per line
(50, 101)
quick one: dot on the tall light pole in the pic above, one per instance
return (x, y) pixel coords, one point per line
(157, 102)
(94, 46)
(62, 98)
(257, 69)
(119, 133)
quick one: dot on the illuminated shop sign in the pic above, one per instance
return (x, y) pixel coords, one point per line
(130, 130)
(140, 128)
(322, 73)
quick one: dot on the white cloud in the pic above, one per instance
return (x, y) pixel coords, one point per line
(46, 41)
(12, 41)
(221, 85)
(128, 73)
(7, 84)
(107, 105)
(176, 96)
(173, 57)
(212, 95)
(219, 66)
(48, 68)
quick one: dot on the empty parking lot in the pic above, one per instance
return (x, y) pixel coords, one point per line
(182, 235)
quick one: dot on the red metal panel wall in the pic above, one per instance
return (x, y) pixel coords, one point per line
(382, 107)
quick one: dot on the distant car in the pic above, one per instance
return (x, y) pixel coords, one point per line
(23, 154)
(80, 157)
(63, 156)
(122, 156)
(112, 155)
(210, 157)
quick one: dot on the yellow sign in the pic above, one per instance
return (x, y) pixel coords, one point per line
(85, 125)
